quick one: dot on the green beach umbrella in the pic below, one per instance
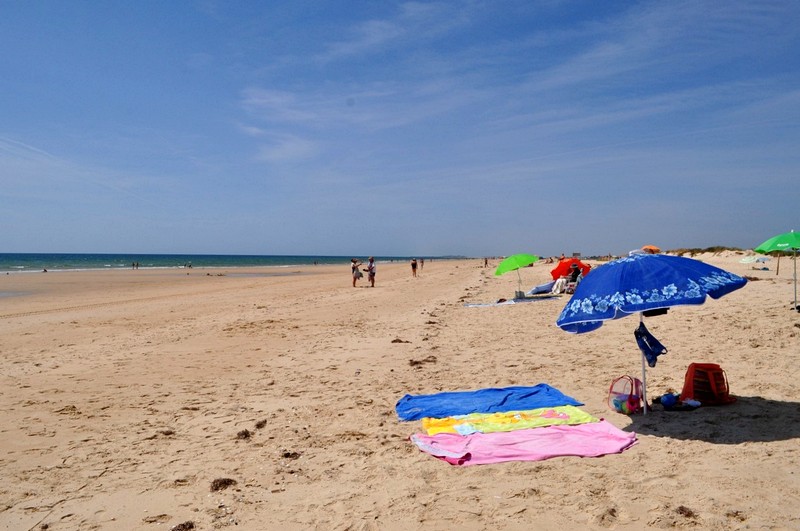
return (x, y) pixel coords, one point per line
(513, 263)
(784, 242)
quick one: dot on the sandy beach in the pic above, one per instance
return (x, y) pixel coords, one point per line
(264, 399)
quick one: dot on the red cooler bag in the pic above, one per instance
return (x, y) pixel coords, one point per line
(708, 384)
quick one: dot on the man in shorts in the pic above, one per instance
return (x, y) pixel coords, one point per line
(371, 271)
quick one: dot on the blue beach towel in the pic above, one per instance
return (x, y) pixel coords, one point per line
(491, 400)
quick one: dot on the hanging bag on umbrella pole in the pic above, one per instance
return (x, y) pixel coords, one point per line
(648, 344)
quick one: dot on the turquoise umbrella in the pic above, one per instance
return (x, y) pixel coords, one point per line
(514, 263)
(784, 242)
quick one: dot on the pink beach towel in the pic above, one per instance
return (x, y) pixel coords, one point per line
(537, 444)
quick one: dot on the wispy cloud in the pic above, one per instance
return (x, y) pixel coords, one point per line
(17, 149)
(412, 23)
(368, 38)
(276, 106)
(251, 130)
(662, 43)
(282, 148)
(32, 173)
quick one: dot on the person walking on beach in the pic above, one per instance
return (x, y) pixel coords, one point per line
(354, 263)
(371, 271)
(413, 267)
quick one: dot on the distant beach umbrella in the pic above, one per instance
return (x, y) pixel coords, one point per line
(514, 263)
(643, 284)
(788, 241)
(564, 266)
(652, 249)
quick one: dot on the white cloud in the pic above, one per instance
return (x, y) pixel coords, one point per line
(368, 37)
(251, 130)
(275, 105)
(413, 23)
(17, 149)
(283, 148)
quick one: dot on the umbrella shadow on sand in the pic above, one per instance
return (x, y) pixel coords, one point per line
(749, 419)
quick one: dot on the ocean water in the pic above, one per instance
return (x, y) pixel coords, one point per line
(31, 262)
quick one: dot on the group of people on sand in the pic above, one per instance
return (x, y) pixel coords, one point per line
(356, 271)
(371, 268)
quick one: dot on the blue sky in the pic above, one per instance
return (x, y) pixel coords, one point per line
(355, 128)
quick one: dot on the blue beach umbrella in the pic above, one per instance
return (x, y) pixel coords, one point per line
(643, 283)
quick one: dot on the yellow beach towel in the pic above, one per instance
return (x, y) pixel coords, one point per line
(506, 421)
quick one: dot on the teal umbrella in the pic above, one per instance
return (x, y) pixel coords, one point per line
(784, 242)
(513, 263)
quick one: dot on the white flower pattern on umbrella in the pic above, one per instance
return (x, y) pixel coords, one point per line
(588, 305)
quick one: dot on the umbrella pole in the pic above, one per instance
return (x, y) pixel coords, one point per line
(644, 375)
(795, 280)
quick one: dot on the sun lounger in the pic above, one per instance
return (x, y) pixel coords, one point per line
(542, 288)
